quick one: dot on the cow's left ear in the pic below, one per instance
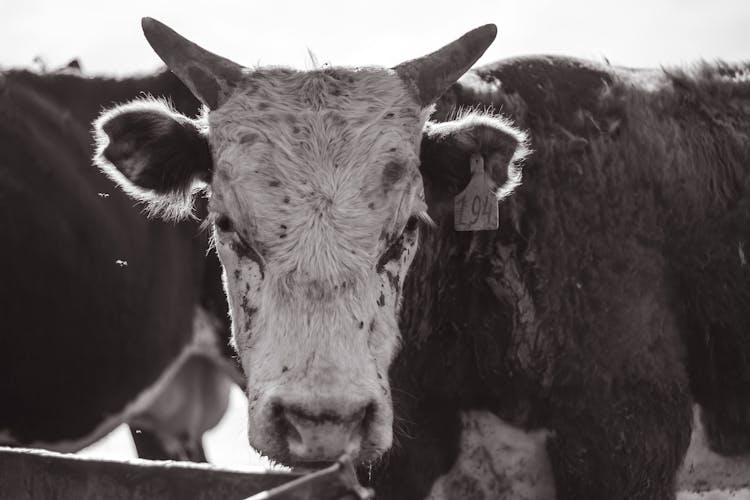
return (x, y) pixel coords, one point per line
(448, 146)
(155, 154)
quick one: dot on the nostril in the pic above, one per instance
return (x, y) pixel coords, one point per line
(367, 418)
(323, 435)
(361, 420)
(284, 426)
(359, 417)
(289, 430)
(361, 427)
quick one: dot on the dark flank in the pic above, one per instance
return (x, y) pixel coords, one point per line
(615, 291)
(97, 299)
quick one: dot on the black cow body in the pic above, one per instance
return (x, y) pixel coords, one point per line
(98, 301)
(615, 291)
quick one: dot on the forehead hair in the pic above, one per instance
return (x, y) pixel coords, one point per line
(353, 99)
(317, 168)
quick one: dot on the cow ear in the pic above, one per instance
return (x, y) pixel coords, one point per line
(155, 154)
(448, 146)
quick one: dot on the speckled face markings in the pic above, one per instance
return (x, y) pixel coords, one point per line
(394, 263)
(318, 173)
(245, 251)
(392, 173)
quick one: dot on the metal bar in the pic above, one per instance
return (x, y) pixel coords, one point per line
(337, 482)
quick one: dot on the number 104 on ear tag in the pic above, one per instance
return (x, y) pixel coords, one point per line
(475, 207)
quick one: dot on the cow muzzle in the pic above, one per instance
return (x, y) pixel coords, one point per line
(324, 436)
(314, 428)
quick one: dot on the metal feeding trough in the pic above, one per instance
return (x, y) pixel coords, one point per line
(40, 475)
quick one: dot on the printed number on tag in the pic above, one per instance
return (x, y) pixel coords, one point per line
(475, 208)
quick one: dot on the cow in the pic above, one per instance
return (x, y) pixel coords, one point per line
(614, 292)
(585, 314)
(107, 317)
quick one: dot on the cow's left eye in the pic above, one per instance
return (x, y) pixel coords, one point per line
(224, 224)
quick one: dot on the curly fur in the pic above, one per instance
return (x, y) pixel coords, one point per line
(614, 292)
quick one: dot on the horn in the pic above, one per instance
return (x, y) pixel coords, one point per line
(429, 76)
(211, 78)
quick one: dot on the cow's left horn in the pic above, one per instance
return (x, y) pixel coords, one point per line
(429, 76)
(210, 77)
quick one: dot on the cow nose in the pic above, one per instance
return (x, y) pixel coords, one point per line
(323, 436)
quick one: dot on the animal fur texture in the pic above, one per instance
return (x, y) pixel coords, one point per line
(613, 293)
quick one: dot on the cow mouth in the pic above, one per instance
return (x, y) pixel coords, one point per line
(312, 466)
(305, 440)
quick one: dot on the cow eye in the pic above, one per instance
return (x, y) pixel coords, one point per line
(395, 249)
(411, 224)
(224, 224)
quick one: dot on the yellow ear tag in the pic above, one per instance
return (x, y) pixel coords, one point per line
(475, 208)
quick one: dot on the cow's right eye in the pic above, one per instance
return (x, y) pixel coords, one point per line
(224, 224)
(395, 249)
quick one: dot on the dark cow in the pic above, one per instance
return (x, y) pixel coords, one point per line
(615, 286)
(100, 305)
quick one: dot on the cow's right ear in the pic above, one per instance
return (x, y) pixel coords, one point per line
(155, 154)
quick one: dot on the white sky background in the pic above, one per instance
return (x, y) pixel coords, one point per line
(106, 35)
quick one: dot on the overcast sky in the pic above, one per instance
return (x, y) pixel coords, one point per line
(106, 35)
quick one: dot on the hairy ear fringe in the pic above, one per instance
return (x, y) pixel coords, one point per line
(173, 205)
(486, 125)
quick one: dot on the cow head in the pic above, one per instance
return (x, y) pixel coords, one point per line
(316, 197)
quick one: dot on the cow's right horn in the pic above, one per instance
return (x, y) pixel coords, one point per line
(429, 76)
(211, 78)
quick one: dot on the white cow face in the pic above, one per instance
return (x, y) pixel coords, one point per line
(315, 197)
